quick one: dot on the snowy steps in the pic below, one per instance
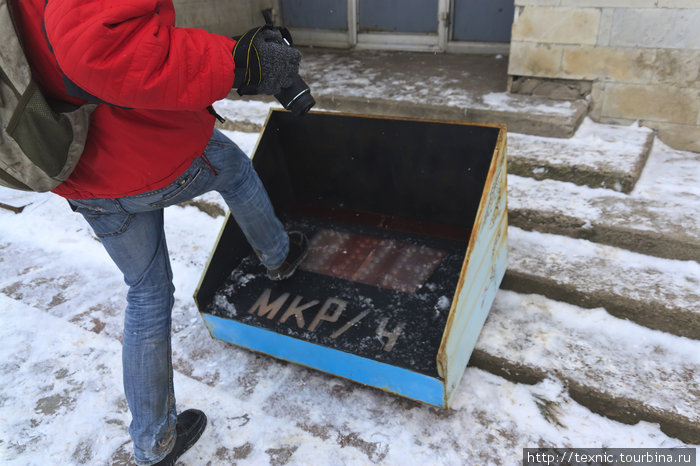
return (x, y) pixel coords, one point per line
(599, 362)
(600, 156)
(581, 239)
(527, 114)
(610, 365)
(658, 293)
(285, 409)
(433, 86)
(629, 361)
(664, 228)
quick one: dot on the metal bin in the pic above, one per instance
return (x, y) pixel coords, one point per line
(407, 221)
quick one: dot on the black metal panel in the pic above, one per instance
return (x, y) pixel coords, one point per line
(483, 20)
(433, 172)
(417, 318)
(226, 255)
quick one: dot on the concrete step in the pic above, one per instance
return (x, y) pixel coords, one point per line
(657, 293)
(612, 366)
(522, 114)
(433, 86)
(667, 227)
(599, 156)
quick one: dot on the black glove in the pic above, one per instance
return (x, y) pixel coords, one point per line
(270, 64)
(279, 61)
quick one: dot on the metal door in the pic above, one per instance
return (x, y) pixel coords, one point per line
(401, 16)
(483, 20)
(315, 14)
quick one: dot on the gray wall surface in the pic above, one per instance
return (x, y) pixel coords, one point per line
(227, 17)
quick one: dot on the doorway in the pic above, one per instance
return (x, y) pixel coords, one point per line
(469, 26)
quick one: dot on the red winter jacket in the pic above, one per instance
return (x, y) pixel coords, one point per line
(130, 54)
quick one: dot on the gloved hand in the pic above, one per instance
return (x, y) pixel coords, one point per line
(270, 66)
(279, 62)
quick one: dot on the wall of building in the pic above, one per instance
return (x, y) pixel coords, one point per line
(642, 57)
(227, 17)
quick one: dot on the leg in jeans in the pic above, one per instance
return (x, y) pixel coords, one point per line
(136, 244)
(243, 192)
(131, 230)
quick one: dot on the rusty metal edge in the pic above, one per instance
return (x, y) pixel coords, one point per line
(500, 151)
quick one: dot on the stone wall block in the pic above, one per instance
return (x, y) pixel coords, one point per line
(530, 59)
(652, 102)
(656, 28)
(537, 2)
(680, 67)
(683, 137)
(677, 4)
(605, 27)
(595, 110)
(609, 3)
(612, 64)
(557, 25)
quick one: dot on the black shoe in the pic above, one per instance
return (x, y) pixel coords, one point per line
(189, 427)
(298, 247)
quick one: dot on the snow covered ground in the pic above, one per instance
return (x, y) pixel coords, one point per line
(61, 398)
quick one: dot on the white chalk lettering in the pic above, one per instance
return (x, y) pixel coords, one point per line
(331, 311)
(263, 306)
(296, 310)
(323, 313)
(390, 336)
(349, 324)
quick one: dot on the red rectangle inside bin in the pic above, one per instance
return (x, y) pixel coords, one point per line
(381, 262)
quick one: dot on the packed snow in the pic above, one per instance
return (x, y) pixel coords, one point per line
(61, 400)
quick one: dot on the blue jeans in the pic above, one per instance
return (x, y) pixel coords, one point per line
(131, 230)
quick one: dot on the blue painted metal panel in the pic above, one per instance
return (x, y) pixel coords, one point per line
(485, 265)
(481, 266)
(467, 342)
(383, 376)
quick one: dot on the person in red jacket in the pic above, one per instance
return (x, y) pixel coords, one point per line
(152, 144)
